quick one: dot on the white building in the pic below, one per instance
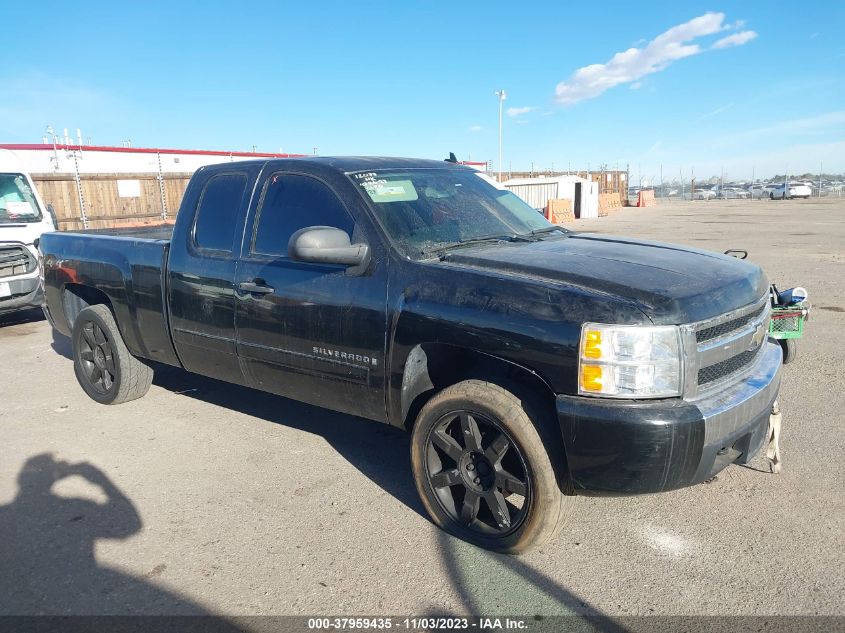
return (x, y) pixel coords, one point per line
(583, 193)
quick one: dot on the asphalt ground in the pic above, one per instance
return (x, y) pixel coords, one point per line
(207, 498)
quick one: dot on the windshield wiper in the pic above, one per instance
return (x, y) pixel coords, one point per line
(474, 241)
(546, 229)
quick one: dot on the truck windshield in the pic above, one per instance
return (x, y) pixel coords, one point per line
(425, 210)
(17, 202)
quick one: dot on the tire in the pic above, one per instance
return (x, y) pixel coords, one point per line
(790, 349)
(104, 367)
(477, 454)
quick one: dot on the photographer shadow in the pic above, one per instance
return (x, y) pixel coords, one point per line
(47, 551)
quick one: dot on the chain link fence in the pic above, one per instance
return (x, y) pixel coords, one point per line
(723, 188)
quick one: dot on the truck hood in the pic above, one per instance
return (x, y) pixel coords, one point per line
(671, 284)
(24, 232)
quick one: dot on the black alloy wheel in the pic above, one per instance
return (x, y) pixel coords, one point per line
(488, 468)
(104, 366)
(97, 358)
(478, 473)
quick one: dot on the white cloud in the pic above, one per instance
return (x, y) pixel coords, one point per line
(476, 128)
(520, 111)
(635, 63)
(735, 39)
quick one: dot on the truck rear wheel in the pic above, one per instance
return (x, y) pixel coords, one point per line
(483, 471)
(104, 367)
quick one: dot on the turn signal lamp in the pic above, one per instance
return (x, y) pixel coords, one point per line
(630, 361)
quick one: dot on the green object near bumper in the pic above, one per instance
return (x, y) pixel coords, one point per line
(787, 322)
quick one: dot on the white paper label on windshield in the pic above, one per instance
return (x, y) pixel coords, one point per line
(390, 190)
(5, 291)
(19, 208)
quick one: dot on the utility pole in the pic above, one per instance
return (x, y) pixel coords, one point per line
(502, 96)
(820, 179)
(662, 191)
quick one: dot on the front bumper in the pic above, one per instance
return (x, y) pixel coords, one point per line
(25, 293)
(620, 447)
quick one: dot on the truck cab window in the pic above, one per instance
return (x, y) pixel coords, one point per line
(217, 215)
(290, 203)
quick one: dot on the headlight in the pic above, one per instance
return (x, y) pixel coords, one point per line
(630, 361)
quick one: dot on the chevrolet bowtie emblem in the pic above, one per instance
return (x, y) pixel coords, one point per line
(758, 337)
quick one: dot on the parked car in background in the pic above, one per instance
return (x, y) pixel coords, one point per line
(783, 191)
(760, 190)
(703, 194)
(23, 219)
(731, 193)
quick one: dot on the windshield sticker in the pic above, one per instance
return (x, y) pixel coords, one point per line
(381, 190)
(16, 209)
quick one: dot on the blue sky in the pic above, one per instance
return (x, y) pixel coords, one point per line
(689, 86)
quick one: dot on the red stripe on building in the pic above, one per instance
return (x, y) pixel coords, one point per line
(144, 150)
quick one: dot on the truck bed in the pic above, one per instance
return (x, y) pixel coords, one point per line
(127, 266)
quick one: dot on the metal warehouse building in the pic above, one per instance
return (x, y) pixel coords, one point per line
(582, 193)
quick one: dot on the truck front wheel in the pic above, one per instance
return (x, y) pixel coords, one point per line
(483, 471)
(104, 367)
(790, 349)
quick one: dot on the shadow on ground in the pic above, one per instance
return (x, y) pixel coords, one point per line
(378, 451)
(31, 315)
(47, 550)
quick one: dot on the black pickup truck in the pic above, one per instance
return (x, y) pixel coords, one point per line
(529, 363)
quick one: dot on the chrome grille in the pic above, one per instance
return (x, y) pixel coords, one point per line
(726, 367)
(720, 350)
(16, 260)
(722, 329)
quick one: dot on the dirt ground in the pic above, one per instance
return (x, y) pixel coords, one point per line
(209, 498)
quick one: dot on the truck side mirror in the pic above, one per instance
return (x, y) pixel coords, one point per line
(326, 245)
(52, 212)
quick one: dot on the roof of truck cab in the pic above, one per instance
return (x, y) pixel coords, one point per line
(361, 163)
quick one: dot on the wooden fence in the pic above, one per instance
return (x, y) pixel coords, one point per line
(110, 200)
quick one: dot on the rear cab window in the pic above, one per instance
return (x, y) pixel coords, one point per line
(218, 211)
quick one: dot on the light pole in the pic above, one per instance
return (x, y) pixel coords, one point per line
(502, 96)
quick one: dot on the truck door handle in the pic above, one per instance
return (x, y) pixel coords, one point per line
(257, 287)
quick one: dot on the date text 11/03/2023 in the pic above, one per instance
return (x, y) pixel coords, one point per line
(420, 623)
